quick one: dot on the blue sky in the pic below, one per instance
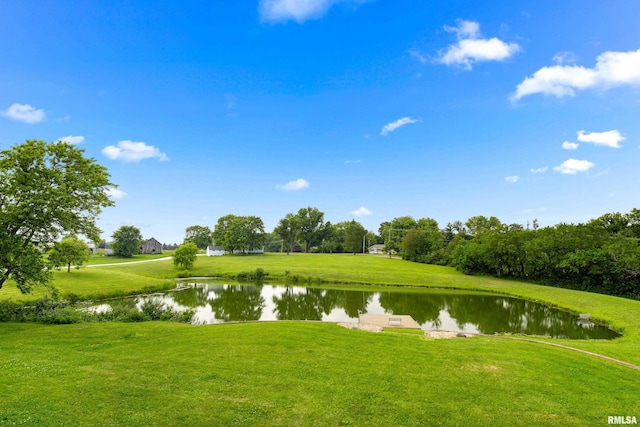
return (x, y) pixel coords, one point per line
(364, 109)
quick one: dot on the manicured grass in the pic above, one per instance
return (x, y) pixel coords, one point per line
(293, 373)
(296, 373)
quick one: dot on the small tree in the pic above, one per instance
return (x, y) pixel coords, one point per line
(185, 256)
(126, 241)
(69, 250)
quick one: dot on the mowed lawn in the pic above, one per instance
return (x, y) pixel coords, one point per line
(301, 373)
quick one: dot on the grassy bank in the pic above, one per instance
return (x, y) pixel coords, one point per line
(295, 373)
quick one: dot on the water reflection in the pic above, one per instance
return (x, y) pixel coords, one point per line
(450, 310)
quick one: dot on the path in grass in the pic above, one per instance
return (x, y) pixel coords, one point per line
(129, 262)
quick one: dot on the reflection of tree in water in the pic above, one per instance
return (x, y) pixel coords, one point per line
(193, 297)
(310, 304)
(490, 314)
(237, 303)
(422, 307)
(354, 302)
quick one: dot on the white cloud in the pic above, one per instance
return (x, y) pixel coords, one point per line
(471, 48)
(395, 125)
(75, 140)
(561, 58)
(570, 145)
(295, 185)
(416, 54)
(132, 151)
(612, 69)
(610, 138)
(539, 170)
(297, 10)
(24, 113)
(362, 211)
(573, 166)
(512, 179)
(114, 193)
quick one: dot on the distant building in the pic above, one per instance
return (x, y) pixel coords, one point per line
(377, 249)
(215, 251)
(151, 246)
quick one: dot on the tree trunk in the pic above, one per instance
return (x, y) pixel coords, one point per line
(69, 268)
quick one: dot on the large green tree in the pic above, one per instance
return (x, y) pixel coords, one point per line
(69, 250)
(239, 233)
(354, 235)
(199, 235)
(126, 241)
(46, 190)
(310, 226)
(287, 229)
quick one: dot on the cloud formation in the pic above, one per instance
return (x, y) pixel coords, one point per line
(471, 48)
(297, 10)
(132, 151)
(570, 145)
(295, 185)
(610, 138)
(539, 170)
(395, 125)
(362, 211)
(114, 193)
(611, 69)
(24, 113)
(74, 140)
(573, 166)
(512, 179)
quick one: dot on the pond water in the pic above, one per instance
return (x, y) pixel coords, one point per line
(433, 309)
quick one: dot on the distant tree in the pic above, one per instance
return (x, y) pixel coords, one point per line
(126, 241)
(46, 190)
(310, 223)
(353, 237)
(185, 256)
(241, 233)
(287, 229)
(69, 250)
(198, 235)
(480, 224)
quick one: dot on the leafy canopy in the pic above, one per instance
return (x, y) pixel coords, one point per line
(46, 190)
(126, 241)
(69, 250)
(185, 256)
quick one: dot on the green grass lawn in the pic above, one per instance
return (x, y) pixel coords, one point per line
(297, 373)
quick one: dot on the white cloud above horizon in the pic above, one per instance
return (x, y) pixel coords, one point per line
(133, 152)
(295, 185)
(573, 166)
(71, 139)
(539, 170)
(297, 10)
(24, 113)
(567, 145)
(512, 179)
(611, 69)
(611, 138)
(114, 193)
(362, 211)
(471, 48)
(390, 127)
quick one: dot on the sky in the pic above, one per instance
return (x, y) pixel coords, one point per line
(367, 110)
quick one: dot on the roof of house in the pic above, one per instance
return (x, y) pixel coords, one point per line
(215, 248)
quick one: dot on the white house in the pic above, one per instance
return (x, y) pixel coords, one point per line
(376, 249)
(215, 251)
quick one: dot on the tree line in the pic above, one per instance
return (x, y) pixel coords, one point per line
(49, 190)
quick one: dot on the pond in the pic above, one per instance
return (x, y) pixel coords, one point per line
(450, 310)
